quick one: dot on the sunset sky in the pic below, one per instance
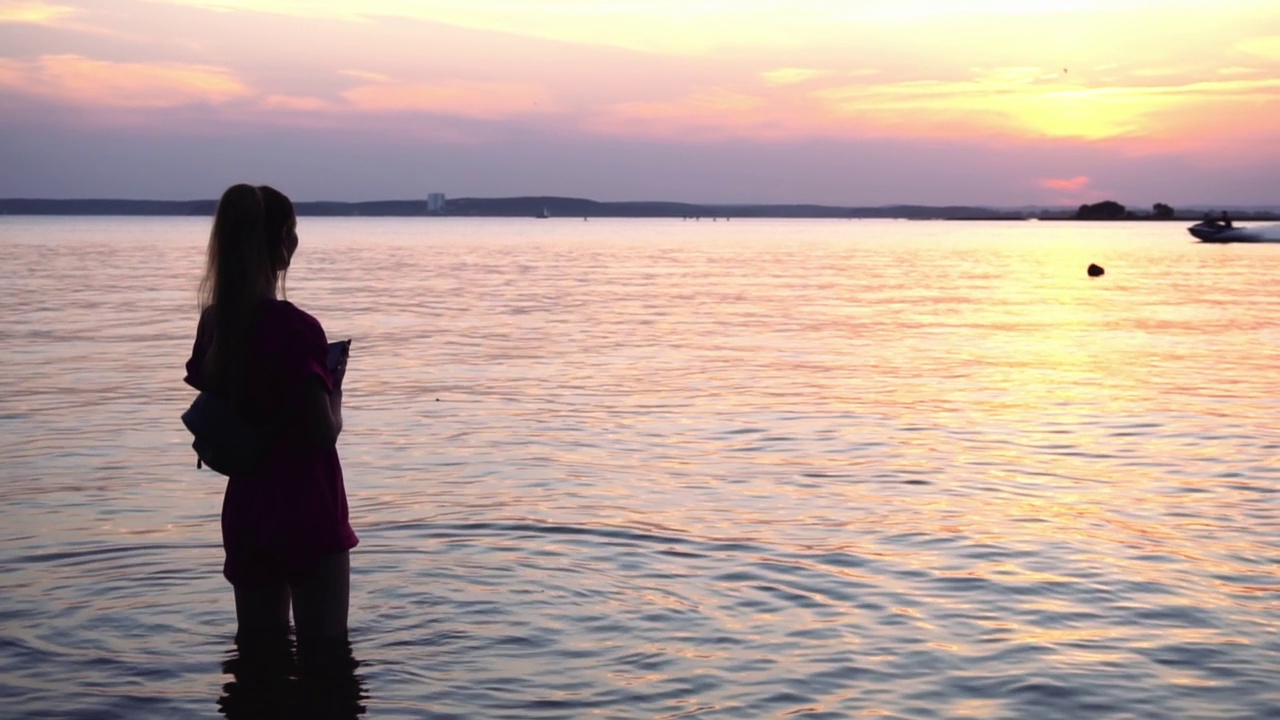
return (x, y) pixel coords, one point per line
(852, 102)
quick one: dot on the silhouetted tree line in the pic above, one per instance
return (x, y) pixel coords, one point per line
(1105, 210)
(1112, 210)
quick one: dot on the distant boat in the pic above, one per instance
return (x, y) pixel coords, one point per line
(543, 215)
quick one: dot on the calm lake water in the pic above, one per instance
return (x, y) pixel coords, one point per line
(665, 469)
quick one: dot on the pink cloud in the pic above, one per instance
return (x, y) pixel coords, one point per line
(709, 114)
(1078, 182)
(477, 100)
(298, 103)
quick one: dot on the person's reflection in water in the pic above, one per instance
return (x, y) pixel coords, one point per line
(269, 681)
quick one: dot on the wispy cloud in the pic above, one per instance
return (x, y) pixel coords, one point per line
(708, 114)
(476, 100)
(697, 26)
(1012, 102)
(297, 103)
(86, 81)
(366, 76)
(34, 13)
(1023, 102)
(790, 76)
(1265, 47)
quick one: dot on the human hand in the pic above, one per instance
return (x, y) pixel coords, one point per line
(338, 354)
(339, 372)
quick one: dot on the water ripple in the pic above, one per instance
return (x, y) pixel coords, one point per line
(644, 470)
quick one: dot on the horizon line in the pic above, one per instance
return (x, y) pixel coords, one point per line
(571, 198)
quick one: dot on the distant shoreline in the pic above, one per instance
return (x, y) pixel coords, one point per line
(565, 207)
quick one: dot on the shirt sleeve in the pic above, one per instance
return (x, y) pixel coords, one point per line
(304, 353)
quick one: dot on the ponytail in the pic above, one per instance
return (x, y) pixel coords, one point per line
(244, 263)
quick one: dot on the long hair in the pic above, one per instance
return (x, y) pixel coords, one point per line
(246, 262)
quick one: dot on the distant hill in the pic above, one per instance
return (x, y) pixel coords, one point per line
(554, 206)
(578, 207)
(24, 206)
(505, 207)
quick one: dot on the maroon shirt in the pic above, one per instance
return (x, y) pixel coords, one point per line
(292, 509)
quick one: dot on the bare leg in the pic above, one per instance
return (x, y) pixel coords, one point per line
(320, 602)
(263, 661)
(262, 612)
(327, 677)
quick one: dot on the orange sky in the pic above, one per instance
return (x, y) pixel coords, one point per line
(932, 101)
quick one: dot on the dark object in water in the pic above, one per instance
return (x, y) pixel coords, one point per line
(1096, 270)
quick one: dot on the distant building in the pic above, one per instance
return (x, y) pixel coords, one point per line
(435, 203)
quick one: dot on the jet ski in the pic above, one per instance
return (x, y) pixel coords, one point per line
(1213, 231)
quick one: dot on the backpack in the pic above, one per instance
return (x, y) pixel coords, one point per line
(224, 440)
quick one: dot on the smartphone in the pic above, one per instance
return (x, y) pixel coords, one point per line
(338, 351)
